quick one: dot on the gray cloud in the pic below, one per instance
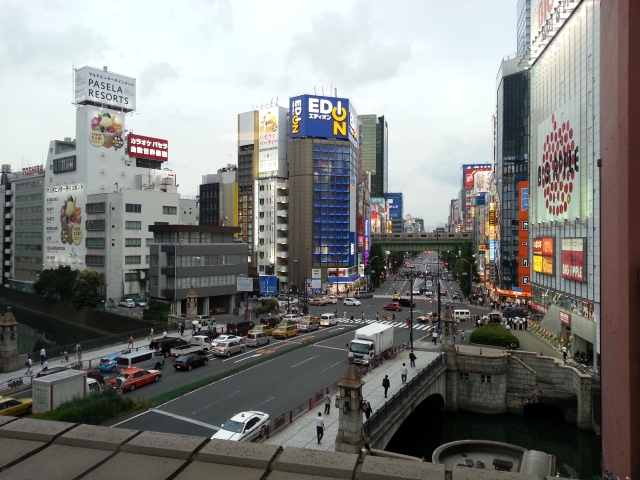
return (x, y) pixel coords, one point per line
(345, 49)
(156, 74)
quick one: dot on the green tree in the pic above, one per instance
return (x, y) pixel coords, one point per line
(461, 263)
(377, 262)
(86, 292)
(57, 283)
(397, 260)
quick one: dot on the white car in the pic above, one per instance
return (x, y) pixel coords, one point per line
(244, 427)
(226, 338)
(331, 299)
(128, 303)
(352, 302)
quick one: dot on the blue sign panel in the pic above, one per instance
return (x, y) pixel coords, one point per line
(323, 117)
(268, 285)
(525, 199)
(395, 204)
(352, 249)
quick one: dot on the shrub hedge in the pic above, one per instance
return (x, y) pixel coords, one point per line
(494, 334)
(94, 409)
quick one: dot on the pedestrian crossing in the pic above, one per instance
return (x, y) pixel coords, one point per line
(416, 326)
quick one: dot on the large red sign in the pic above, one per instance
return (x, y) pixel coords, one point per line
(148, 147)
(565, 317)
(573, 256)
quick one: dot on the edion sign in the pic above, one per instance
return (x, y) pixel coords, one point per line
(573, 259)
(148, 147)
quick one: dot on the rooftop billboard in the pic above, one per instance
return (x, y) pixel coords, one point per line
(323, 117)
(93, 86)
(148, 147)
(395, 204)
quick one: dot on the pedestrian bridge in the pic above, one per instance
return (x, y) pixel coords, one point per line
(406, 242)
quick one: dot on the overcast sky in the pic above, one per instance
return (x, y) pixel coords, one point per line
(429, 66)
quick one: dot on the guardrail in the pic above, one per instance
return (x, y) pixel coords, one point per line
(398, 399)
(15, 384)
(288, 417)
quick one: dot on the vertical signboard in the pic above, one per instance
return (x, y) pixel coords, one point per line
(476, 179)
(64, 228)
(558, 164)
(543, 255)
(573, 259)
(394, 200)
(524, 269)
(352, 249)
(268, 138)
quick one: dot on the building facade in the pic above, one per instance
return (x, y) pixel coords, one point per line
(375, 152)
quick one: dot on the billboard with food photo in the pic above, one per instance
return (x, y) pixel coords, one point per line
(106, 130)
(64, 230)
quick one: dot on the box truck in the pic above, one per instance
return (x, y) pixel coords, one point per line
(52, 390)
(374, 339)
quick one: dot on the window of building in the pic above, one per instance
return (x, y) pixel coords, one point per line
(154, 260)
(132, 277)
(161, 223)
(25, 210)
(32, 197)
(132, 242)
(133, 208)
(463, 376)
(154, 281)
(132, 225)
(95, 207)
(94, 260)
(65, 164)
(485, 378)
(30, 222)
(132, 259)
(169, 210)
(146, 259)
(95, 225)
(29, 247)
(149, 241)
(94, 242)
(28, 235)
(26, 259)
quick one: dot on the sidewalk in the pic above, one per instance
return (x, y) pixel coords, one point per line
(302, 432)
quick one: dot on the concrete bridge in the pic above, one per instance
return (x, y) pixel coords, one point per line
(407, 242)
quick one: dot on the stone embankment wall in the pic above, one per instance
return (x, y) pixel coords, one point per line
(98, 321)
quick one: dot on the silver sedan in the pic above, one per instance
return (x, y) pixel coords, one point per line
(308, 326)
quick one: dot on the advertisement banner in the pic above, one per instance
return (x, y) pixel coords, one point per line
(352, 249)
(558, 180)
(152, 148)
(107, 128)
(394, 200)
(524, 269)
(268, 137)
(64, 241)
(323, 117)
(93, 86)
(565, 317)
(543, 255)
(573, 259)
(268, 285)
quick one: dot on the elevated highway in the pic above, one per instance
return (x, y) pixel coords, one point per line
(407, 242)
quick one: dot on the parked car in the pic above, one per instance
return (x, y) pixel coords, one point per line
(318, 301)
(352, 302)
(141, 302)
(266, 329)
(218, 310)
(127, 303)
(256, 339)
(226, 349)
(393, 306)
(363, 294)
(187, 362)
(136, 377)
(308, 326)
(244, 427)
(108, 363)
(12, 407)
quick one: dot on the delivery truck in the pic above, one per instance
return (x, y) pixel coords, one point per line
(374, 339)
(196, 344)
(52, 390)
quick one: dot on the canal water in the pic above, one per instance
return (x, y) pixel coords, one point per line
(36, 331)
(577, 452)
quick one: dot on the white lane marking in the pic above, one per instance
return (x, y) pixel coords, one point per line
(267, 400)
(246, 358)
(331, 348)
(185, 419)
(213, 403)
(341, 361)
(304, 361)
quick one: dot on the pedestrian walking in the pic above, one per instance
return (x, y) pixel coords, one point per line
(408, 322)
(462, 335)
(319, 427)
(327, 403)
(367, 410)
(351, 319)
(29, 366)
(403, 373)
(344, 315)
(386, 384)
(45, 366)
(78, 350)
(164, 334)
(43, 356)
(151, 334)
(362, 317)
(564, 353)
(434, 337)
(130, 344)
(412, 358)
(181, 329)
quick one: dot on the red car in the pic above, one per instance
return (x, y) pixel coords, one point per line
(136, 377)
(393, 306)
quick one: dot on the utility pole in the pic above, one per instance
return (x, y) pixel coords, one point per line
(411, 307)
(438, 260)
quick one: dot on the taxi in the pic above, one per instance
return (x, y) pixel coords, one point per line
(396, 297)
(136, 377)
(15, 406)
(266, 329)
(285, 331)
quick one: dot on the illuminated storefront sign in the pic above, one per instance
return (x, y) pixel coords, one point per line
(323, 117)
(543, 255)
(148, 147)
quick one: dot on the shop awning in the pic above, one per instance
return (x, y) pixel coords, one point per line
(350, 279)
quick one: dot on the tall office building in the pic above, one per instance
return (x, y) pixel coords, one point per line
(375, 152)
(523, 26)
(511, 263)
(323, 153)
(218, 199)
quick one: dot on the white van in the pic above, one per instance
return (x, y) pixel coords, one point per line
(462, 315)
(151, 359)
(328, 319)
